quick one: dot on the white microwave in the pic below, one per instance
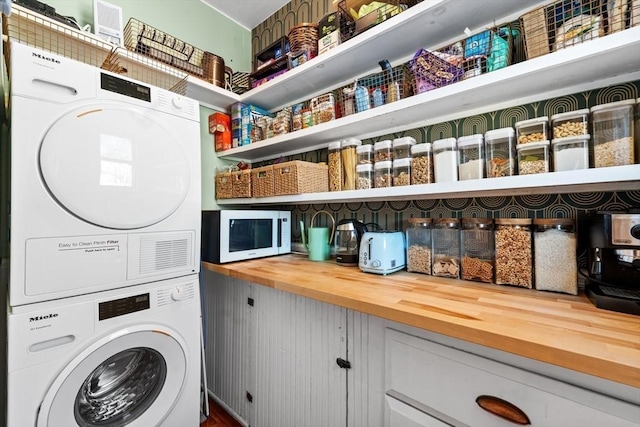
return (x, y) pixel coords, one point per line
(237, 235)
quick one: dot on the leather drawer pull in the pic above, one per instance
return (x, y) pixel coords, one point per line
(503, 409)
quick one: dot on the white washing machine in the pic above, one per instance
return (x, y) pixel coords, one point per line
(127, 357)
(105, 180)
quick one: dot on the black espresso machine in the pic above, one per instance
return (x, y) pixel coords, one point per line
(614, 260)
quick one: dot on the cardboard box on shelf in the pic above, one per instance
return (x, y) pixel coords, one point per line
(251, 132)
(220, 128)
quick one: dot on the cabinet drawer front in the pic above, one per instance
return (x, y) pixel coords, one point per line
(450, 381)
(403, 415)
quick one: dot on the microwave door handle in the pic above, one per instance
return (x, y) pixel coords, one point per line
(279, 232)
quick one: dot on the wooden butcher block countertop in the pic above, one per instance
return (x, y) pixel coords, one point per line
(563, 330)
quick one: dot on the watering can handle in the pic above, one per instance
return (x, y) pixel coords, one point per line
(304, 238)
(333, 222)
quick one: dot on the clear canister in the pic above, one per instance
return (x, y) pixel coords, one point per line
(422, 164)
(556, 268)
(446, 247)
(571, 153)
(532, 130)
(471, 155)
(383, 174)
(349, 162)
(571, 123)
(636, 132)
(401, 172)
(613, 134)
(533, 157)
(419, 245)
(335, 166)
(477, 249)
(445, 160)
(501, 152)
(365, 176)
(365, 154)
(382, 150)
(513, 252)
(402, 147)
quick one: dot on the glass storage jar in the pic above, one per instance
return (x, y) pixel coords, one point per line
(477, 249)
(554, 248)
(533, 157)
(445, 160)
(365, 176)
(349, 162)
(402, 147)
(571, 123)
(500, 152)
(422, 164)
(571, 153)
(613, 134)
(532, 130)
(446, 247)
(365, 154)
(419, 245)
(471, 155)
(401, 172)
(513, 252)
(383, 174)
(382, 151)
(335, 167)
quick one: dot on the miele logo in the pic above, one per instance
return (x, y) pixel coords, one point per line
(45, 58)
(46, 316)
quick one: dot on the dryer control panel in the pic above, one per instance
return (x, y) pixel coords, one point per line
(122, 306)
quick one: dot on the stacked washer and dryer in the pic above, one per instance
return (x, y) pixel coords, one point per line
(103, 323)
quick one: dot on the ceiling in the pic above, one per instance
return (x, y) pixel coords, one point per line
(248, 13)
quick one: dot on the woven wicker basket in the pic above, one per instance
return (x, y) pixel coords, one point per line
(298, 177)
(304, 37)
(224, 185)
(241, 183)
(262, 183)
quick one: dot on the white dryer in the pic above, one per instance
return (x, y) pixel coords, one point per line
(105, 180)
(127, 357)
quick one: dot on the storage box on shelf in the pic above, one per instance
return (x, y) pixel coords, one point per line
(263, 183)
(297, 177)
(270, 62)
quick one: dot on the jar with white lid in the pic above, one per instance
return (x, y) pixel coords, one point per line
(532, 130)
(477, 249)
(349, 162)
(571, 153)
(402, 147)
(471, 155)
(445, 237)
(365, 176)
(401, 172)
(571, 123)
(422, 164)
(514, 252)
(365, 154)
(533, 157)
(419, 245)
(335, 166)
(383, 174)
(613, 143)
(500, 152)
(382, 150)
(445, 160)
(554, 241)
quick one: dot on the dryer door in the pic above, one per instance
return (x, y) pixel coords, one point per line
(115, 166)
(131, 379)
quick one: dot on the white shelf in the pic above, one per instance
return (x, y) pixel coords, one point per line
(619, 178)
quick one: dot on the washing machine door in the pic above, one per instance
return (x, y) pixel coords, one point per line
(115, 165)
(132, 378)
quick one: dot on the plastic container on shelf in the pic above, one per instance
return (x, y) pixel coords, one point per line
(477, 249)
(532, 130)
(554, 241)
(500, 152)
(571, 123)
(471, 155)
(383, 174)
(613, 143)
(422, 164)
(365, 154)
(513, 252)
(445, 160)
(349, 162)
(571, 153)
(533, 157)
(402, 172)
(402, 147)
(418, 235)
(636, 132)
(382, 150)
(446, 247)
(335, 166)
(365, 176)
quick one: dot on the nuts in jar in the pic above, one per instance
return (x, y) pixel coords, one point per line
(382, 151)
(572, 123)
(532, 130)
(513, 246)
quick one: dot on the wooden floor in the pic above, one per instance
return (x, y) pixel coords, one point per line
(218, 417)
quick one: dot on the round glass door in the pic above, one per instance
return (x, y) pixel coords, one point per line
(114, 166)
